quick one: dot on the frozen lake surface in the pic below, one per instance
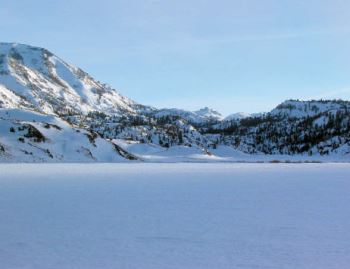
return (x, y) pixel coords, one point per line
(163, 216)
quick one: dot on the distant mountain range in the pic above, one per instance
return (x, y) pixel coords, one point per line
(51, 111)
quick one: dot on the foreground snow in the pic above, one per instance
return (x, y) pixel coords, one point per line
(174, 216)
(155, 153)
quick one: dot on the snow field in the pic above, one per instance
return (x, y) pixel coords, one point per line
(174, 216)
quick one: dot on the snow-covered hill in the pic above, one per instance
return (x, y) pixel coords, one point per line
(237, 116)
(199, 117)
(53, 111)
(293, 128)
(34, 78)
(209, 113)
(32, 137)
(302, 109)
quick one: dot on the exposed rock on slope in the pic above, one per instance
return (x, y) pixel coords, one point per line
(34, 78)
(32, 137)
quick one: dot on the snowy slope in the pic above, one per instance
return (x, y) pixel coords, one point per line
(302, 109)
(179, 153)
(209, 113)
(35, 78)
(237, 116)
(201, 116)
(32, 137)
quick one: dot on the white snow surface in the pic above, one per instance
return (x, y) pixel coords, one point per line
(155, 153)
(63, 142)
(171, 216)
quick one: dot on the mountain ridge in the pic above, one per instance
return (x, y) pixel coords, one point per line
(34, 79)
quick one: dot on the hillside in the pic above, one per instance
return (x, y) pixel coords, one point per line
(32, 137)
(34, 78)
(95, 122)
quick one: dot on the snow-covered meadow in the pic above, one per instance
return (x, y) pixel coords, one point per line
(176, 215)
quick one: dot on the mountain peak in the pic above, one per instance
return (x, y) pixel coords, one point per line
(209, 113)
(50, 85)
(237, 116)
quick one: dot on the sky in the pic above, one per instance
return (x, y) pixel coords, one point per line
(229, 55)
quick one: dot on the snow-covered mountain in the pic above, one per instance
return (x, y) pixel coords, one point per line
(199, 117)
(34, 78)
(27, 136)
(237, 116)
(53, 111)
(209, 113)
(293, 127)
(301, 109)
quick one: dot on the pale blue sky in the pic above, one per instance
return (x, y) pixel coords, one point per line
(230, 55)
